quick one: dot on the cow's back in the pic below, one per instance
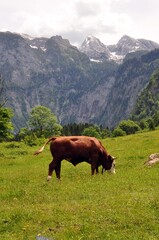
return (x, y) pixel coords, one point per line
(79, 148)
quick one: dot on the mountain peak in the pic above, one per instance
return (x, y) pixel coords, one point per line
(98, 51)
(91, 38)
(128, 44)
(126, 37)
(95, 49)
(92, 41)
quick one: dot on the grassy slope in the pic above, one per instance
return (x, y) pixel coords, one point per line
(121, 206)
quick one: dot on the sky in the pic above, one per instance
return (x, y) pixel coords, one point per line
(74, 20)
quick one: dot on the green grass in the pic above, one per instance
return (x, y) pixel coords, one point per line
(112, 207)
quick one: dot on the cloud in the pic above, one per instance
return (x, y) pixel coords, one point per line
(75, 19)
(86, 8)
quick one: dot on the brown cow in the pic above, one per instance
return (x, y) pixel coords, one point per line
(77, 149)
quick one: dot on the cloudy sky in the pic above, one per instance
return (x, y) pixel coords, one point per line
(107, 20)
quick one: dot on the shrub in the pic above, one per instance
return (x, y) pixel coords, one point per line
(118, 132)
(92, 132)
(129, 126)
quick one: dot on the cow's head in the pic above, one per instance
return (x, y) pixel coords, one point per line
(109, 164)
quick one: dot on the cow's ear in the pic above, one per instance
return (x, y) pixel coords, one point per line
(109, 158)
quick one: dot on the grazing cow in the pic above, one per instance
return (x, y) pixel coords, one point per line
(77, 149)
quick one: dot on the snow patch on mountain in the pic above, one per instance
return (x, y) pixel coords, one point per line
(98, 51)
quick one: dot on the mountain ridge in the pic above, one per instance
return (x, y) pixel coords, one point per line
(53, 73)
(116, 52)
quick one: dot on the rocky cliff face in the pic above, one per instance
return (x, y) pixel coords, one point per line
(97, 51)
(53, 73)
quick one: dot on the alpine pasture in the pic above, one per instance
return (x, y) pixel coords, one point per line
(80, 206)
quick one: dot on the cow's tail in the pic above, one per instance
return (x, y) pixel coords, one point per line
(42, 148)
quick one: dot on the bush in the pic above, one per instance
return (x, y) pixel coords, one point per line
(151, 124)
(143, 124)
(91, 131)
(129, 126)
(33, 140)
(118, 132)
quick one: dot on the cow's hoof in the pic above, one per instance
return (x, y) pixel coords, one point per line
(48, 178)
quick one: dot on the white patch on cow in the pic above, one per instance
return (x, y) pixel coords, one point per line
(112, 170)
(49, 178)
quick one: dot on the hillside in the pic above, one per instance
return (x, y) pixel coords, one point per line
(131, 78)
(53, 73)
(147, 104)
(104, 206)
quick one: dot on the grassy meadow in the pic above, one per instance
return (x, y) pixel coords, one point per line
(80, 207)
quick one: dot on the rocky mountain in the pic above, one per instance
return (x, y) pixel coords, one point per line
(97, 51)
(53, 73)
(131, 78)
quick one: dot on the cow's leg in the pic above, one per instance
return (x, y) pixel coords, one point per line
(94, 165)
(97, 170)
(58, 169)
(52, 166)
(93, 168)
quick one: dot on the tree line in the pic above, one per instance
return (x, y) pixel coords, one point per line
(42, 123)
